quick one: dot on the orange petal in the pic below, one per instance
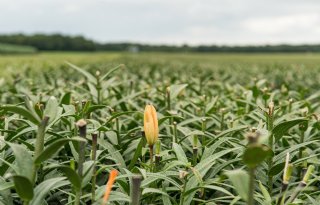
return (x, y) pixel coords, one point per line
(112, 177)
(147, 117)
(149, 133)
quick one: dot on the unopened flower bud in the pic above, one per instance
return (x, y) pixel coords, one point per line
(308, 174)
(287, 174)
(168, 90)
(287, 170)
(290, 100)
(182, 174)
(151, 129)
(270, 108)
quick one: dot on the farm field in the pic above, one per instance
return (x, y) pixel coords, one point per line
(80, 128)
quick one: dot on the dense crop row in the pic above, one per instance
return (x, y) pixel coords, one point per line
(226, 136)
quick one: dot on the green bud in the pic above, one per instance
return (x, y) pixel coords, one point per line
(195, 141)
(287, 174)
(304, 155)
(308, 173)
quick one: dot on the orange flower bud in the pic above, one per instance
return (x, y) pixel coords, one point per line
(112, 177)
(151, 129)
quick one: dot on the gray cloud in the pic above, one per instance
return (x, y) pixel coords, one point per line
(167, 21)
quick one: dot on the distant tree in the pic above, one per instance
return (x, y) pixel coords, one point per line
(51, 42)
(59, 42)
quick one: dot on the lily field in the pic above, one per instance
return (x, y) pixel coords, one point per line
(159, 128)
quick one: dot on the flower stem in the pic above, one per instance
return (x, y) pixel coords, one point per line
(135, 190)
(222, 121)
(168, 99)
(301, 141)
(251, 186)
(39, 145)
(203, 129)
(270, 143)
(296, 192)
(118, 132)
(93, 158)
(300, 153)
(195, 155)
(301, 185)
(98, 87)
(82, 132)
(282, 197)
(151, 157)
(158, 156)
(77, 199)
(182, 191)
(174, 132)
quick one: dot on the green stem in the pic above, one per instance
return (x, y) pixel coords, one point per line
(301, 185)
(203, 129)
(200, 85)
(296, 192)
(222, 121)
(168, 99)
(83, 133)
(93, 158)
(182, 191)
(77, 199)
(251, 186)
(151, 157)
(157, 162)
(83, 104)
(98, 87)
(300, 153)
(157, 156)
(195, 156)
(40, 137)
(175, 133)
(81, 158)
(39, 145)
(301, 141)
(270, 143)
(290, 106)
(195, 150)
(282, 196)
(118, 132)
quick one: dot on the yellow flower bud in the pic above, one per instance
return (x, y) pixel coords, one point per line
(151, 129)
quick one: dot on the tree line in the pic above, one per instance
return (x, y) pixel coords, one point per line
(52, 42)
(59, 42)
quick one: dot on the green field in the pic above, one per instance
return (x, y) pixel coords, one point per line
(253, 64)
(233, 128)
(309, 60)
(297, 70)
(16, 49)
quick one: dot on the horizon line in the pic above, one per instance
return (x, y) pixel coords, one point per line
(165, 43)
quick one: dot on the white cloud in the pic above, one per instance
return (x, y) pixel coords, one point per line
(286, 23)
(167, 21)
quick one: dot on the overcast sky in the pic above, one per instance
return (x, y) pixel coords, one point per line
(168, 21)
